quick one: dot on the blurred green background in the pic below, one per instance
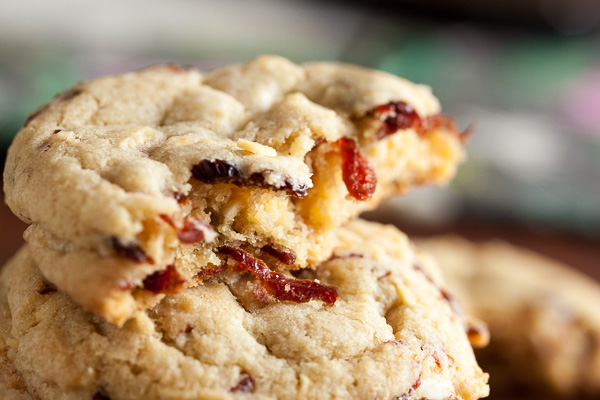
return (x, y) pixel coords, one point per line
(527, 73)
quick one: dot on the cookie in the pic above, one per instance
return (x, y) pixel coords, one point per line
(392, 334)
(132, 176)
(543, 316)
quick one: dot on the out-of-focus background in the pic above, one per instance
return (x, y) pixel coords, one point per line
(525, 72)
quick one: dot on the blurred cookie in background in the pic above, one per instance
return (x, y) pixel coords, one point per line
(543, 317)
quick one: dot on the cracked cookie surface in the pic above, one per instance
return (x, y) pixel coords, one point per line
(124, 176)
(392, 334)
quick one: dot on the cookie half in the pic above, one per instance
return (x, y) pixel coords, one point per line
(543, 316)
(392, 334)
(129, 176)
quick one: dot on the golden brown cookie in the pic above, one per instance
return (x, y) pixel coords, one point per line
(146, 175)
(392, 334)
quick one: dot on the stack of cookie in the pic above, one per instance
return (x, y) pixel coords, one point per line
(194, 236)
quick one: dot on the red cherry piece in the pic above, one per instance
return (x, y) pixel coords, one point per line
(357, 173)
(190, 231)
(277, 284)
(167, 281)
(286, 256)
(396, 115)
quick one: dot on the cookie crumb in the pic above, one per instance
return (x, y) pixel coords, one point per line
(256, 148)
